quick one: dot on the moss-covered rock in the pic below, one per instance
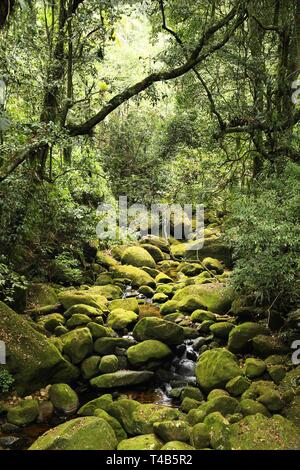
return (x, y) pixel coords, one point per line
(113, 422)
(148, 350)
(214, 297)
(90, 367)
(257, 432)
(137, 276)
(100, 331)
(238, 385)
(83, 309)
(188, 404)
(40, 295)
(199, 316)
(168, 307)
(252, 407)
(78, 319)
(213, 264)
(221, 329)
(191, 392)
(190, 303)
(24, 413)
(77, 344)
(145, 442)
(160, 298)
(240, 337)
(87, 433)
(121, 378)
(109, 291)
(154, 251)
(215, 368)
(63, 398)
(104, 346)
(105, 259)
(254, 368)
(157, 328)
(137, 256)
(277, 373)
(172, 430)
(264, 345)
(160, 242)
(266, 393)
(177, 445)
(32, 359)
(147, 291)
(144, 417)
(109, 364)
(130, 304)
(101, 403)
(119, 318)
(200, 437)
(73, 297)
(163, 278)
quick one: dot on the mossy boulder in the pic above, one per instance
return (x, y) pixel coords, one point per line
(221, 329)
(160, 242)
(121, 378)
(144, 416)
(104, 346)
(191, 392)
(225, 405)
(137, 276)
(40, 295)
(254, 368)
(148, 350)
(291, 381)
(87, 433)
(177, 445)
(199, 316)
(214, 297)
(101, 403)
(252, 407)
(90, 367)
(215, 368)
(168, 307)
(264, 345)
(213, 264)
(51, 321)
(138, 256)
(200, 436)
(147, 291)
(63, 398)
(159, 329)
(109, 364)
(119, 318)
(257, 432)
(78, 319)
(73, 297)
(105, 259)
(77, 344)
(154, 251)
(266, 393)
(240, 336)
(130, 304)
(113, 422)
(100, 331)
(83, 309)
(172, 430)
(109, 291)
(188, 404)
(159, 298)
(24, 413)
(32, 359)
(190, 303)
(238, 385)
(145, 442)
(163, 278)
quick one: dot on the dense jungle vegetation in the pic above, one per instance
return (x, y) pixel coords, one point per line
(162, 101)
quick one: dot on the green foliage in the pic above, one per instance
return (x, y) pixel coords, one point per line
(6, 381)
(10, 282)
(265, 236)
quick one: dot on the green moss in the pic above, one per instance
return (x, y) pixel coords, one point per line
(177, 445)
(172, 430)
(73, 297)
(77, 344)
(168, 307)
(109, 291)
(105, 259)
(266, 345)
(63, 398)
(157, 328)
(100, 403)
(105, 346)
(154, 251)
(213, 264)
(199, 316)
(83, 310)
(146, 442)
(138, 256)
(78, 319)
(221, 329)
(90, 367)
(51, 321)
(25, 412)
(137, 276)
(238, 385)
(149, 350)
(130, 304)
(189, 404)
(254, 368)
(40, 295)
(109, 364)
(88, 433)
(214, 297)
(120, 318)
(113, 422)
(121, 378)
(240, 337)
(215, 368)
(100, 331)
(200, 437)
(32, 360)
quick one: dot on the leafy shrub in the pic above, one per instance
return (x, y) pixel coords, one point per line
(265, 236)
(6, 381)
(11, 283)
